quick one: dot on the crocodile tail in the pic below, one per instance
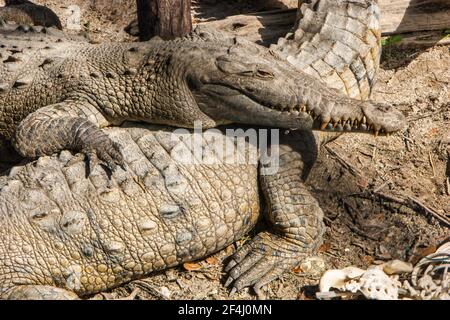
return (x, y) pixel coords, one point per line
(337, 41)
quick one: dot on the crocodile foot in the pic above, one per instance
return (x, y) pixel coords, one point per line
(260, 261)
(99, 148)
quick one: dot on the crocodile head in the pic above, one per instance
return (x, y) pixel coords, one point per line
(246, 83)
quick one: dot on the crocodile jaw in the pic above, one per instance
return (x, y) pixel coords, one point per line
(228, 105)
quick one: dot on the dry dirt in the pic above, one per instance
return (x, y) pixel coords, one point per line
(379, 194)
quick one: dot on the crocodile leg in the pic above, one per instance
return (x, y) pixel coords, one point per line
(38, 292)
(295, 218)
(73, 125)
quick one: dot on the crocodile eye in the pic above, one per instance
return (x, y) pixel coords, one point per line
(264, 74)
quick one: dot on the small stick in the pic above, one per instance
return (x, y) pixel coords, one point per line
(343, 162)
(382, 186)
(447, 182)
(407, 141)
(428, 210)
(374, 154)
(432, 164)
(416, 203)
(132, 295)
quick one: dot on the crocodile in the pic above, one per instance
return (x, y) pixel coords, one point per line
(57, 93)
(65, 235)
(69, 235)
(24, 12)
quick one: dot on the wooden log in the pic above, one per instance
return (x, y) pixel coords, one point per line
(423, 39)
(167, 19)
(398, 16)
(264, 27)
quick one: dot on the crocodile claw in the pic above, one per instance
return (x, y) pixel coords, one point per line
(103, 151)
(260, 261)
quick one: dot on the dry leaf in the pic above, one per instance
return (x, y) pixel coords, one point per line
(432, 132)
(423, 252)
(325, 247)
(427, 251)
(229, 250)
(368, 260)
(190, 266)
(297, 270)
(212, 260)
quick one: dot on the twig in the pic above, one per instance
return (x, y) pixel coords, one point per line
(132, 295)
(413, 203)
(428, 210)
(344, 163)
(374, 154)
(432, 164)
(407, 141)
(149, 288)
(425, 115)
(377, 189)
(447, 183)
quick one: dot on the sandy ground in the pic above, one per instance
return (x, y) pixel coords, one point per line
(379, 194)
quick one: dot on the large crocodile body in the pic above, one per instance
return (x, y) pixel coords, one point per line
(64, 233)
(67, 234)
(56, 93)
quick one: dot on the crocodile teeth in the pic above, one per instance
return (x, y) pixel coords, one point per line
(324, 125)
(292, 102)
(376, 132)
(364, 120)
(303, 108)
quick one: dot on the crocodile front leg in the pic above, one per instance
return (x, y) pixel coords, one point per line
(296, 220)
(72, 125)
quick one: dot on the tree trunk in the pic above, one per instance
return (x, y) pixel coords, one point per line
(167, 19)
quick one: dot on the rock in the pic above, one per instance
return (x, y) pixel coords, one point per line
(165, 292)
(397, 267)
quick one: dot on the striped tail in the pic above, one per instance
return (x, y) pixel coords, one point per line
(337, 41)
